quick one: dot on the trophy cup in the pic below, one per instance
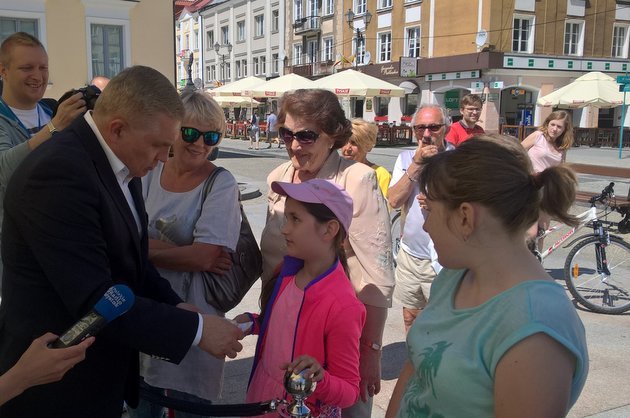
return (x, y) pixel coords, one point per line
(300, 387)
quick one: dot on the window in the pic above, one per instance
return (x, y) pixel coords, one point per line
(311, 51)
(187, 41)
(244, 68)
(239, 73)
(195, 43)
(213, 73)
(329, 7)
(360, 7)
(210, 39)
(297, 9)
(313, 8)
(522, 34)
(240, 31)
(10, 25)
(263, 65)
(620, 42)
(385, 47)
(573, 37)
(107, 49)
(275, 21)
(225, 35)
(413, 42)
(383, 4)
(327, 50)
(275, 64)
(259, 25)
(297, 54)
(359, 50)
(256, 66)
(228, 72)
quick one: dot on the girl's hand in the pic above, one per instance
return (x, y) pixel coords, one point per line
(244, 322)
(313, 369)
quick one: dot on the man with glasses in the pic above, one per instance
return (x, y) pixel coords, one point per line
(416, 262)
(470, 107)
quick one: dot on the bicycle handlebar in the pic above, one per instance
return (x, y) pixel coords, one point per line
(607, 193)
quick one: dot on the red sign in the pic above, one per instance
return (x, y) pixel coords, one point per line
(342, 91)
(384, 91)
(270, 94)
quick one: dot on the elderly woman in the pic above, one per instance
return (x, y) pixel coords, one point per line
(191, 230)
(361, 142)
(313, 127)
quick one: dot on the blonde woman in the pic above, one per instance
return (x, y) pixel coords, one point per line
(360, 144)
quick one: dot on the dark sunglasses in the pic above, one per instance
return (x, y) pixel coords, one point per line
(433, 128)
(304, 137)
(191, 135)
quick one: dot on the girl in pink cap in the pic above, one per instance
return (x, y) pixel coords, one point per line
(312, 321)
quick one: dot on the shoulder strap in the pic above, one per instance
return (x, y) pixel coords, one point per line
(207, 186)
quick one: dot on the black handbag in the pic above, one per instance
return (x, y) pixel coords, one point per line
(225, 291)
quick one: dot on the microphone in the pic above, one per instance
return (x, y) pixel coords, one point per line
(116, 301)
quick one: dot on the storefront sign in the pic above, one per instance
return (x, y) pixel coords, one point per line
(408, 66)
(389, 70)
(451, 99)
(342, 91)
(382, 71)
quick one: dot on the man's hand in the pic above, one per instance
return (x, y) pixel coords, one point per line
(220, 337)
(423, 152)
(68, 111)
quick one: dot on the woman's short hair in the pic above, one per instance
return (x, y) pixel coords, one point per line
(496, 172)
(564, 141)
(364, 134)
(320, 107)
(201, 108)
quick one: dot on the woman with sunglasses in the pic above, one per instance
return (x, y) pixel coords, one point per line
(190, 233)
(313, 127)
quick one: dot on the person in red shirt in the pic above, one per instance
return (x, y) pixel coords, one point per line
(470, 108)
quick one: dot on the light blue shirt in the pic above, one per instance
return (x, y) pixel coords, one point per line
(455, 352)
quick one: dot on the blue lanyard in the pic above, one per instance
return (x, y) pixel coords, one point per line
(39, 118)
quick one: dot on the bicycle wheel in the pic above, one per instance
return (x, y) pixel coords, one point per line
(396, 234)
(600, 287)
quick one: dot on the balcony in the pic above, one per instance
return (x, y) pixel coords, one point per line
(310, 25)
(314, 69)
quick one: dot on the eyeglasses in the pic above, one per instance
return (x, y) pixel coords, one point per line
(191, 135)
(304, 137)
(433, 127)
(472, 109)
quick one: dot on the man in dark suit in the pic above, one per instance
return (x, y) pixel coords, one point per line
(75, 225)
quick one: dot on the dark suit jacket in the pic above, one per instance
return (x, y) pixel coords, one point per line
(68, 236)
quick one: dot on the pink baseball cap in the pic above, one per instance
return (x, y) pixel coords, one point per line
(330, 194)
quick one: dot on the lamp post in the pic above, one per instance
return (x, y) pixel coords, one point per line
(217, 47)
(367, 18)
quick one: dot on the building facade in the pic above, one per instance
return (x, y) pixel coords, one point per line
(87, 38)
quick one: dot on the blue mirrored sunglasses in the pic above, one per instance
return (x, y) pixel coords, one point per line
(191, 135)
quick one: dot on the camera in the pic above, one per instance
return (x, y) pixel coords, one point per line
(89, 95)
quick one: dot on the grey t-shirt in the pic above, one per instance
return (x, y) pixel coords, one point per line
(184, 218)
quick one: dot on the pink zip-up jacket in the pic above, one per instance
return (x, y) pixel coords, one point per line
(328, 329)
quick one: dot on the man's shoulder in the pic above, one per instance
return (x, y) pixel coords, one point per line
(405, 157)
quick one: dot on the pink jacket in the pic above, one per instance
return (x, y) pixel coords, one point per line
(328, 328)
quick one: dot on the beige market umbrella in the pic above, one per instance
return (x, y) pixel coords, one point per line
(236, 101)
(235, 88)
(592, 89)
(278, 86)
(355, 83)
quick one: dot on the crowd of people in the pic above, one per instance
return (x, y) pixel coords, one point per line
(489, 333)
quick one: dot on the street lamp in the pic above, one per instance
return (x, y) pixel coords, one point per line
(217, 47)
(367, 18)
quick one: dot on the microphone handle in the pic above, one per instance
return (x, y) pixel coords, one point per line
(87, 326)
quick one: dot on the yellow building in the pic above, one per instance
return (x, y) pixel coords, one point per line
(86, 38)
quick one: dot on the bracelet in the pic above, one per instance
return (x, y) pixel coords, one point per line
(410, 178)
(374, 346)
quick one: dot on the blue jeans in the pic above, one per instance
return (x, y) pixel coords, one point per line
(148, 409)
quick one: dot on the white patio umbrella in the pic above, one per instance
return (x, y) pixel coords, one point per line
(278, 86)
(235, 88)
(592, 89)
(236, 101)
(355, 83)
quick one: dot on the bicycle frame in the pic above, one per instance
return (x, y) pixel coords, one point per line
(584, 217)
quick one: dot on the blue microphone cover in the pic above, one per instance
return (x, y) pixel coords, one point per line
(116, 301)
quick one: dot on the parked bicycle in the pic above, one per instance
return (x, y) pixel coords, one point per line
(597, 269)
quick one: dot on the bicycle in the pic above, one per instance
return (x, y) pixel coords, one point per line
(597, 268)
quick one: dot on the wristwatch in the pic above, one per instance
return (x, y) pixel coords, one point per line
(374, 346)
(51, 128)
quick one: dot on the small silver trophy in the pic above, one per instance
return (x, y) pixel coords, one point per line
(299, 387)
